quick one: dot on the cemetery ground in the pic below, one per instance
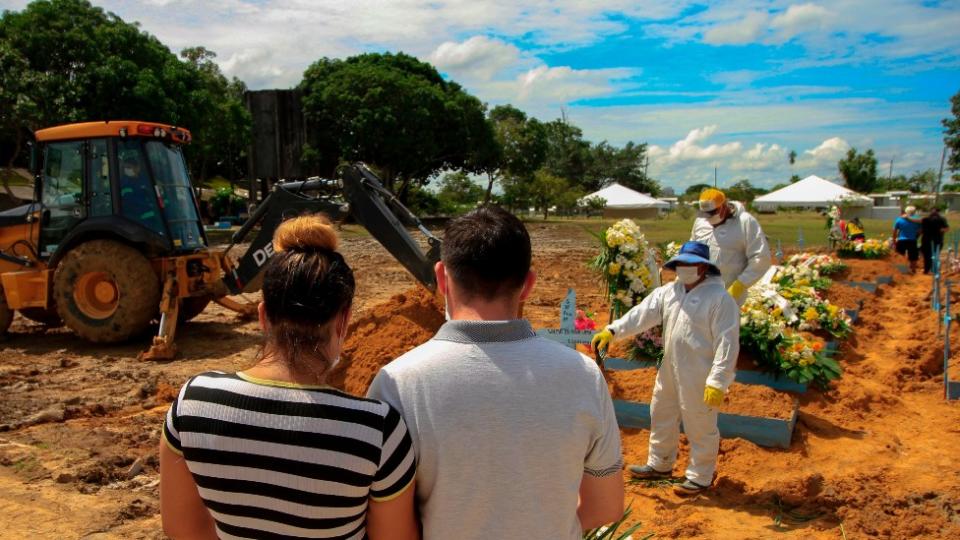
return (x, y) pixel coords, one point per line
(876, 456)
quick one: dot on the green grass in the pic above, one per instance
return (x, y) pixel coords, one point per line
(784, 227)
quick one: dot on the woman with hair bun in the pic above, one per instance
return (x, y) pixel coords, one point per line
(272, 451)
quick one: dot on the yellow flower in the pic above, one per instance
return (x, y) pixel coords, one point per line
(833, 310)
(614, 269)
(810, 314)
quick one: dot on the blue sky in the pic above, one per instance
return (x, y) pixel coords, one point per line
(730, 84)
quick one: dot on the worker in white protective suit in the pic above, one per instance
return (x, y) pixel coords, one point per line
(701, 341)
(738, 246)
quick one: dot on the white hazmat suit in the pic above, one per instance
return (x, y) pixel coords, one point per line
(701, 341)
(737, 246)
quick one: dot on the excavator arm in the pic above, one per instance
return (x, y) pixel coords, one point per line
(364, 198)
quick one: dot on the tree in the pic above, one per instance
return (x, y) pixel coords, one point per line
(568, 155)
(625, 166)
(88, 64)
(520, 149)
(859, 171)
(951, 133)
(794, 179)
(548, 190)
(792, 157)
(396, 113)
(221, 139)
(458, 189)
(16, 106)
(743, 191)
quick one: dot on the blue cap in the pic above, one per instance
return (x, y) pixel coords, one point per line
(692, 252)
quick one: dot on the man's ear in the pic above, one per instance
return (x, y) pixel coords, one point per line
(440, 272)
(528, 284)
(262, 316)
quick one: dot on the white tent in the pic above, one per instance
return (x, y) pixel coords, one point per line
(811, 192)
(625, 202)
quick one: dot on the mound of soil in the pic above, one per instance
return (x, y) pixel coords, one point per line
(846, 296)
(384, 333)
(742, 399)
(870, 269)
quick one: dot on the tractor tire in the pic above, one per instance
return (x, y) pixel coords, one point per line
(47, 317)
(192, 306)
(6, 314)
(106, 292)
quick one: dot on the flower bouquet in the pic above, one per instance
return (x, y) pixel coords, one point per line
(584, 321)
(825, 264)
(628, 272)
(765, 321)
(626, 264)
(870, 248)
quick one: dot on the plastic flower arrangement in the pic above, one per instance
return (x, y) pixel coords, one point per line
(671, 250)
(871, 248)
(626, 265)
(766, 319)
(802, 276)
(584, 321)
(825, 264)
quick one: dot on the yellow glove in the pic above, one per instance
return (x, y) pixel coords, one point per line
(735, 289)
(713, 397)
(601, 340)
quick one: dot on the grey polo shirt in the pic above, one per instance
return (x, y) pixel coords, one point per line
(505, 425)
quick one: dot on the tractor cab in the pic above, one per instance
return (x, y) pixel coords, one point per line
(117, 178)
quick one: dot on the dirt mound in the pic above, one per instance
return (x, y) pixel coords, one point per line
(387, 331)
(742, 399)
(870, 269)
(846, 296)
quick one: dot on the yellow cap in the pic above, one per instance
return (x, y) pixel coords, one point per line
(711, 199)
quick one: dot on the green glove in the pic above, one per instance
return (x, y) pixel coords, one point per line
(736, 289)
(601, 340)
(713, 397)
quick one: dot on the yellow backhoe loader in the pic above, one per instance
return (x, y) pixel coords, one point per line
(113, 239)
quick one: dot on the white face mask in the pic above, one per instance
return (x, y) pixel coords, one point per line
(336, 360)
(129, 172)
(688, 275)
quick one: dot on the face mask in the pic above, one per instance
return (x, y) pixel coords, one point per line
(129, 172)
(333, 363)
(688, 275)
(715, 219)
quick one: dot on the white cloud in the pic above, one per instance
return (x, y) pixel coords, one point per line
(745, 30)
(689, 148)
(479, 57)
(829, 151)
(498, 71)
(799, 19)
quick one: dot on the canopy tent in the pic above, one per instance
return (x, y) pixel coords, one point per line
(811, 192)
(625, 202)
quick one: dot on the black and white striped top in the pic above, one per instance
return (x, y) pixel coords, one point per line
(277, 460)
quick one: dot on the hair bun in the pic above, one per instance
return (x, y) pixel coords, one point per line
(306, 233)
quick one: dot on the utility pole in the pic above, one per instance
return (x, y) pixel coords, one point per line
(890, 174)
(936, 192)
(714, 176)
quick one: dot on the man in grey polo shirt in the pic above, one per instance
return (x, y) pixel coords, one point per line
(516, 435)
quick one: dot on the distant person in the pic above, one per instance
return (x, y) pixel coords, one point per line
(932, 228)
(737, 244)
(516, 435)
(906, 229)
(855, 230)
(272, 452)
(701, 341)
(138, 199)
